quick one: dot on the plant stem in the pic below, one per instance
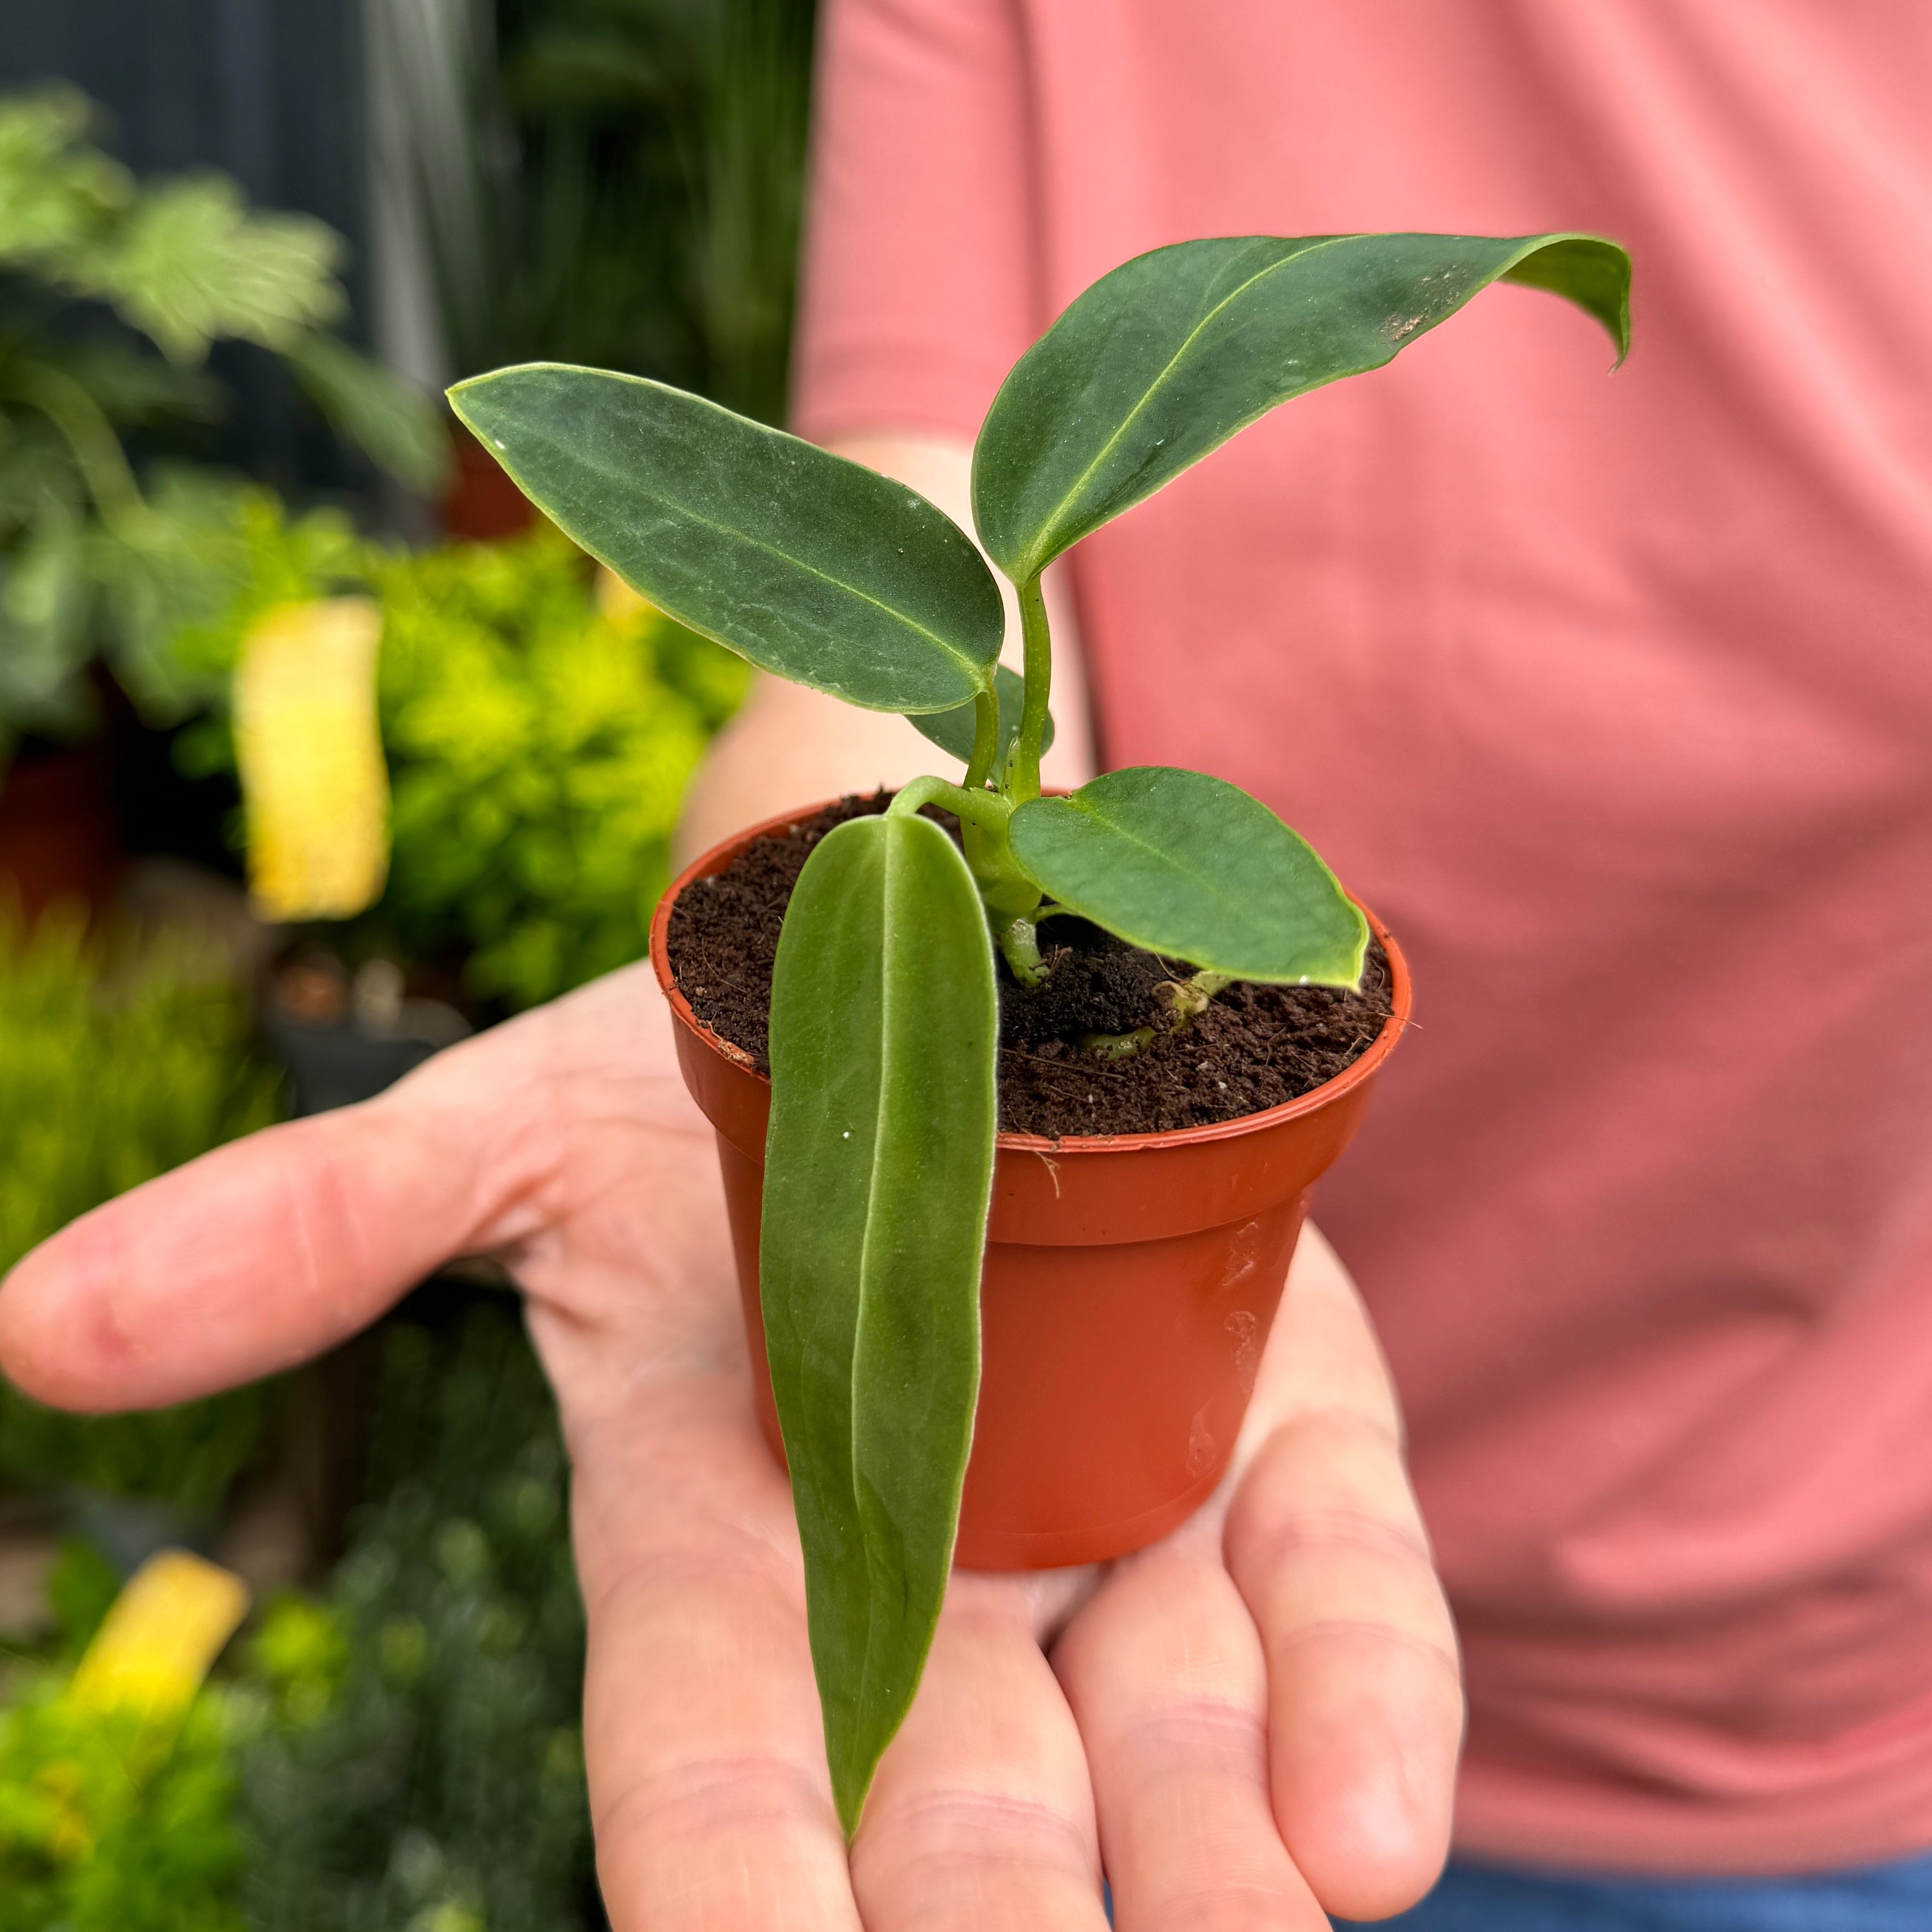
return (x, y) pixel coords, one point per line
(1008, 893)
(1020, 942)
(978, 807)
(1186, 1000)
(96, 447)
(985, 738)
(1025, 781)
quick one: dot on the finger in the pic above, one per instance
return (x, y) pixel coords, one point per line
(1165, 1674)
(981, 1818)
(1365, 1707)
(710, 1794)
(265, 1251)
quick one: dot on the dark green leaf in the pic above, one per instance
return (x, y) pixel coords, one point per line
(1163, 360)
(953, 730)
(1193, 867)
(878, 1170)
(814, 568)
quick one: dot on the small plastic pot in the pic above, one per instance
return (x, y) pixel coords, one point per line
(1130, 1284)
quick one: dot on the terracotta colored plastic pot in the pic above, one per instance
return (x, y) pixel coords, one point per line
(1130, 1284)
(58, 835)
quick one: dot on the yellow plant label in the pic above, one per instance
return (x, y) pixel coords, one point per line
(161, 1637)
(310, 754)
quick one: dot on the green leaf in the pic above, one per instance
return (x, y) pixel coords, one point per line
(193, 262)
(1162, 360)
(1190, 866)
(395, 426)
(953, 730)
(878, 1171)
(817, 568)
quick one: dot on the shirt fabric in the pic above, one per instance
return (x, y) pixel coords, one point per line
(1612, 695)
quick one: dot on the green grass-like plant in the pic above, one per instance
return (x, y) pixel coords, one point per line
(113, 1071)
(883, 1031)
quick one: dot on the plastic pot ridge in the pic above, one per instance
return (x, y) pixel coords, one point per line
(1129, 1284)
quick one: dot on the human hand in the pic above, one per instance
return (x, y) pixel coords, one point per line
(1255, 1719)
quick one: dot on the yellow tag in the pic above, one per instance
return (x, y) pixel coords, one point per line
(616, 599)
(160, 1639)
(310, 753)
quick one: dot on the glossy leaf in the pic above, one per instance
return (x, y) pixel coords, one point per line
(818, 569)
(953, 730)
(1191, 866)
(1162, 360)
(878, 1171)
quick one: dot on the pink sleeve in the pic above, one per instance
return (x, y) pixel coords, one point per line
(917, 288)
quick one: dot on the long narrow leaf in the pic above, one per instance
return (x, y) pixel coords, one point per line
(878, 1171)
(817, 568)
(1164, 359)
(1193, 867)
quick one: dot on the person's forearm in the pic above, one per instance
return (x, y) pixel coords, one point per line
(789, 746)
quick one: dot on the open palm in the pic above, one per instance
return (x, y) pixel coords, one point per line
(1255, 1720)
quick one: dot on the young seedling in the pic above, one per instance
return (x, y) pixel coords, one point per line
(884, 1018)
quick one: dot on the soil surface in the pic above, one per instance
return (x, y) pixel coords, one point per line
(1255, 1047)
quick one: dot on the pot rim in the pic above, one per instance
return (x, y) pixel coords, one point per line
(1401, 1002)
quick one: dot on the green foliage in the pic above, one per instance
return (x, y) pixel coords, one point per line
(539, 754)
(613, 182)
(111, 1822)
(538, 747)
(817, 568)
(426, 1768)
(803, 563)
(1161, 361)
(1192, 867)
(884, 1024)
(89, 559)
(112, 1071)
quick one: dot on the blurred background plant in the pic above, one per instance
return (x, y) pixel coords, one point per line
(117, 1063)
(111, 295)
(610, 181)
(392, 1743)
(540, 727)
(432, 1774)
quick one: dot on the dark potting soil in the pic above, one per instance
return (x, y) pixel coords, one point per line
(1255, 1047)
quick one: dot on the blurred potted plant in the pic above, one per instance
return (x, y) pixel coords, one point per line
(111, 293)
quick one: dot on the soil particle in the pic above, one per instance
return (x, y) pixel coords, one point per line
(1255, 1047)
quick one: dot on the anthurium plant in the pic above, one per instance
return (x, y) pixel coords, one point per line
(884, 1016)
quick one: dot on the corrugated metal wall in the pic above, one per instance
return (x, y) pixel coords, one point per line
(268, 91)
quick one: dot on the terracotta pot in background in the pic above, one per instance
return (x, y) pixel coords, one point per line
(481, 505)
(58, 835)
(1129, 1284)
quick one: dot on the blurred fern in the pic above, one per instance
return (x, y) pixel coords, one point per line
(92, 558)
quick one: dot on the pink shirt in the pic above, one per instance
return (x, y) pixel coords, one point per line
(1614, 697)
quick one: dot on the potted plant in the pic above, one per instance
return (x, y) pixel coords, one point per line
(1130, 1278)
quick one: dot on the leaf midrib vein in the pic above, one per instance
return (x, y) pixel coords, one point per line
(1134, 414)
(824, 577)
